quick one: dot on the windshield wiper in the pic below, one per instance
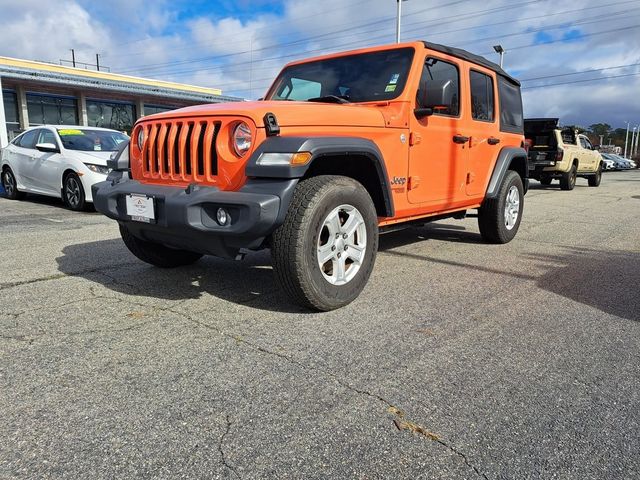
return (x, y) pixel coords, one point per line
(330, 99)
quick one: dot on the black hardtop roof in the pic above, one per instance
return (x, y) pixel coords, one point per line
(471, 57)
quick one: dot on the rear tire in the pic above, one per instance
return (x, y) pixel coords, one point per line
(499, 218)
(157, 254)
(595, 180)
(568, 179)
(10, 185)
(324, 252)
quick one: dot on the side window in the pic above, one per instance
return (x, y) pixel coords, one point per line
(440, 88)
(299, 89)
(47, 136)
(511, 118)
(482, 102)
(28, 140)
(588, 144)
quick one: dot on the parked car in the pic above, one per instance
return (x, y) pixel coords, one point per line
(608, 163)
(560, 153)
(621, 162)
(58, 161)
(342, 146)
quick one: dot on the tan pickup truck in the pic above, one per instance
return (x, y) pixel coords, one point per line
(560, 153)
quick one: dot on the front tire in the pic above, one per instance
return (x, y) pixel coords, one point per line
(157, 254)
(73, 193)
(325, 250)
(10, 185)
(568, 179)
(499, 218)
(595, 180)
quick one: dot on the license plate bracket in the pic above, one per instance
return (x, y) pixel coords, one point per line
(141, 208)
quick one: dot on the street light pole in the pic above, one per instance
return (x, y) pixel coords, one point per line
(398, 18)
(626, 138)
(633, 139)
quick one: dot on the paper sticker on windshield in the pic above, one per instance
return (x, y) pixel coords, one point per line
(394, 79)
(390, 88)
(70, 132)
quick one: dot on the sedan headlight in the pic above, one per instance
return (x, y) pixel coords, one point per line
(98, 168)
(241, 138)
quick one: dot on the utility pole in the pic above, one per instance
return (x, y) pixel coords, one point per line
(634, 150)
(398, 18)
(73, 57)
(633, 139)
(626, 138)
(98, 61)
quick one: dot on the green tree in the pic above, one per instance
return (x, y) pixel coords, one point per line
(600, 129)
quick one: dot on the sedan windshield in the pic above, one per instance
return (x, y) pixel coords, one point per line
(365, 77)
(91, 140)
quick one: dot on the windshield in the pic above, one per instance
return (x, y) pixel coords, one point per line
(364, 77)
(91, 140)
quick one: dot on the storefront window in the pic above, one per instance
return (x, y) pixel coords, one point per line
(118, 116)
(10, 101)
(51, 110)
(151, 109)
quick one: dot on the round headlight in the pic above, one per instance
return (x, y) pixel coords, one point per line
(241, 138)
(140, 138)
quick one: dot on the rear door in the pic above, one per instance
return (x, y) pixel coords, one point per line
(438, 151)
(483, 128)
(22, 157)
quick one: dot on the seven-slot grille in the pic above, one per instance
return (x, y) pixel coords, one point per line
(180, 150)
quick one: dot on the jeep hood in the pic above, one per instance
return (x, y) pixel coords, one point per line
(288, 114)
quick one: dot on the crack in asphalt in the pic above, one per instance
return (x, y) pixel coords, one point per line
(225, 462)
(57, 276)
(236, 338)
(333, 376)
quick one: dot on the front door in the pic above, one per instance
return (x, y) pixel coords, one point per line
(438, 148)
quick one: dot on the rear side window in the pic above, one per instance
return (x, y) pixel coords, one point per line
(28, 139)
(440, 88)
(511, 118)
(481, 96)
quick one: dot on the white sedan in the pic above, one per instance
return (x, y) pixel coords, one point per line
(58, 161)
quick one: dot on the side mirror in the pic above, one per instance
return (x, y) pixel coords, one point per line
(120, 160)
(422, 112)
(47, 147)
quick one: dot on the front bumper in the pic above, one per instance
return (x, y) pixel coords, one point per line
(186, 218)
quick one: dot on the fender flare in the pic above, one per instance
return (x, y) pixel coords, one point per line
(320, 147)
(505, 158)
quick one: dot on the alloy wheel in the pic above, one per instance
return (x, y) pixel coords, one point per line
(342, 243)
(72, 191)
(9, 183)
(511, 207)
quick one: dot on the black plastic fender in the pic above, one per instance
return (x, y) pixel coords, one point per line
(319, 147)
(505, 158)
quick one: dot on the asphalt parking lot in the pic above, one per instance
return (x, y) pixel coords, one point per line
(460, 359)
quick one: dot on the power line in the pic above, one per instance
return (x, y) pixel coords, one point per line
(577, 73)
(583, 81)
(537, 44)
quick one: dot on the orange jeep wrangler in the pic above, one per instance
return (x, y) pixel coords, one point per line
(342, 147)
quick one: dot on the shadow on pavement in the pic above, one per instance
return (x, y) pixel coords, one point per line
(247, 282)
(605, 280)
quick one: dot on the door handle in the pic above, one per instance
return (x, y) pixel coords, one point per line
(460, 139)
(493, 141)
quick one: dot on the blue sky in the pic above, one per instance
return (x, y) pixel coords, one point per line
(588, 52)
